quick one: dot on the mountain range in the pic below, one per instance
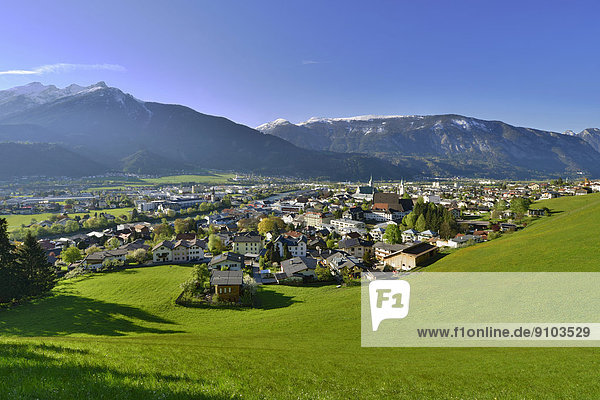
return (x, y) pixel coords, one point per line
(111, 128)
(450, 144)
(88, 130)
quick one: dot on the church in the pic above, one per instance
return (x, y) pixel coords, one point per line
(365, 193)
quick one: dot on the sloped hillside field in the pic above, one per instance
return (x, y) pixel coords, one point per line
(120, 336)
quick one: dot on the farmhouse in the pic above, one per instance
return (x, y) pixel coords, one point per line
(299, 266)
(296, 245)
(340, 262)
(96, 260)
(247, 243)
(227, 284)
(383, 250)
(459, 241)
(411, 257)
(355, 246)
(227, 261)
(180, 250)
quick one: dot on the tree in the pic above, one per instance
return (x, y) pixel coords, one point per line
(276, 256)
(445, 230)
(215, 244)
(71, 254)
(392, 234)
(163, 231)
(139, 255)
(323, 273)
(368, 258)
(248, 224)
(184, 225)
(92, 249)
(410, 220)
(112, 243)
(134, 215)
(286, 252)
(8, 278)
(270, 224)
(32, 263)
(501, 205)
(421, 225)
(71, 226)
(520, 205)
(201, 274)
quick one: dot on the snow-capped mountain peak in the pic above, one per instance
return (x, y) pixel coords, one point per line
(355, 118)
(273, 124)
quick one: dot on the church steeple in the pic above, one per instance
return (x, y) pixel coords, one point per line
(371, 181)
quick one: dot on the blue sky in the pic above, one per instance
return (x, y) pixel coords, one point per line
(529, 63)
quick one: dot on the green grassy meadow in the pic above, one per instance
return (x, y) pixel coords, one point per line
(564, 241)
(213, 178)
(120, 336)
(207, 179)
(15, 221)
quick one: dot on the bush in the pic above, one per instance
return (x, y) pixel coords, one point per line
(323, 274)
(139, 256)
(111, 265)
(79, 271)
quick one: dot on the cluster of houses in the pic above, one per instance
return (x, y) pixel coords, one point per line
(357, 220)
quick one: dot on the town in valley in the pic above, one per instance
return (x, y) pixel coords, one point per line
(248, 228)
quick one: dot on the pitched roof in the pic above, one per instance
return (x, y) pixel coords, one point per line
(291, 241)
(353, 242)
(218, 277)
(298, 264)
(167, 243)
(247, 237)
(229, 256)
(102, 255)
(418, 248)
(190, 243)
(390, 247)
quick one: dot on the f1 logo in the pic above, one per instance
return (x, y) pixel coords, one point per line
(389, 300)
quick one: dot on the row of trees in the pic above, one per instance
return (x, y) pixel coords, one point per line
(424, 216)
(24, 270)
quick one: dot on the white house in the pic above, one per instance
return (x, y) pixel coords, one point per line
(347, 225)
(295, 245)
(410, 235)
(181, 250)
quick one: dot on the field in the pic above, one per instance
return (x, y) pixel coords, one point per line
(120, 336)
(565, 241)
(15, 221)
(207, 179)
(211, 179)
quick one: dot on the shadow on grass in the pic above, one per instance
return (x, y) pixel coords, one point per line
(269, 299)
(66, 314)
(57, 372)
